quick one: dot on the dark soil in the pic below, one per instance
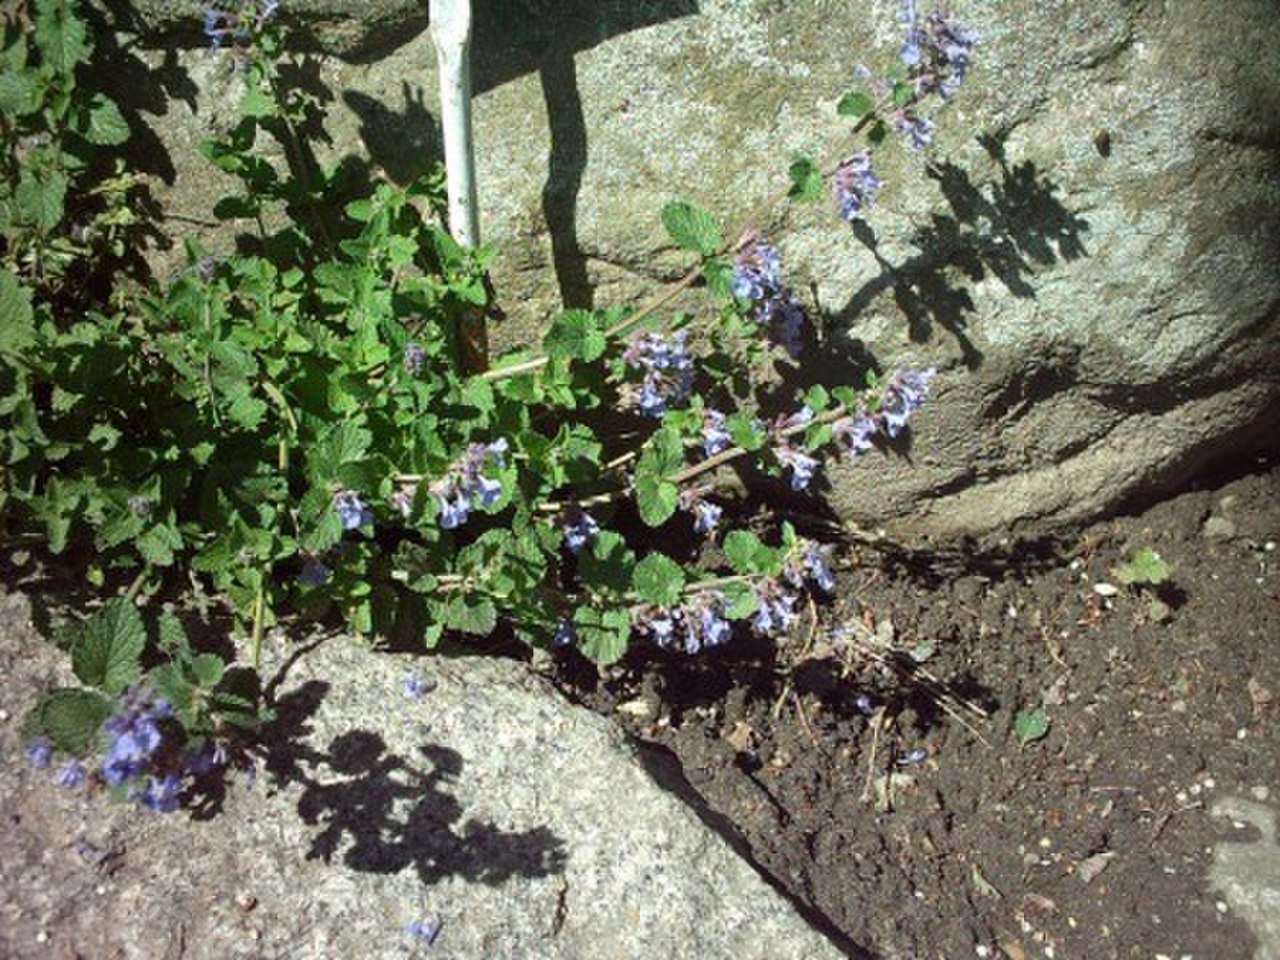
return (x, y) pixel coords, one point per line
(872, 768)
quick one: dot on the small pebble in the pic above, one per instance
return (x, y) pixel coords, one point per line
(1221, 907)
(1209, 783)
(1242, 734)
(1260, 793)
(1219, 528)
(42, 936)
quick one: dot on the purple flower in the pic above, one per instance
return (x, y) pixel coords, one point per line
(416, 687)
(71, 775)
(414, 358)
(905, 394)
(159, 794)
(776, 611)
(917, 130)
(855, 185)
(853, 434)
(757, 272)
(351, 510)
(40, 753)
(464, 485)
(716, 630)
(426, 931)
(314, 573)
(579, 530)
(715, 438)
(817, 564)
(918, 755)
(135, 735)
(402, 500)
(453, 513)
(802, 465)
(757, 276)
(668, 371)
(706, 516)
(936, 51)
(206, 759)
(690, 628)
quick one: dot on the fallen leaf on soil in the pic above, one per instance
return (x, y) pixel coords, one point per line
(1013, 950)
(1261, 696)
(1089, 868)
(636, 708)
(741, 736)
(983, 885)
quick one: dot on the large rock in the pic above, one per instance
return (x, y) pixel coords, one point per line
(1090, 253)
(525, 826)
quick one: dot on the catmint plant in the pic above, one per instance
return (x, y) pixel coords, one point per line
(309, 433)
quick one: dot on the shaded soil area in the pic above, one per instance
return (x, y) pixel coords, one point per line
(876, 769)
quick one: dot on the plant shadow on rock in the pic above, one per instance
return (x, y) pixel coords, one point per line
(392, 813)
(1009, 230)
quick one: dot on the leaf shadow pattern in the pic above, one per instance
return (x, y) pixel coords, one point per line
(1009, 229)
(383, 813)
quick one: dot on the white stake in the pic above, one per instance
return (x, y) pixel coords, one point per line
(451, 30)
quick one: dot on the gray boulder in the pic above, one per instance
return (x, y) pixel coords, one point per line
(523, 826)
(1090, 252)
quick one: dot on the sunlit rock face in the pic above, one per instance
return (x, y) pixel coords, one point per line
(1088, 251)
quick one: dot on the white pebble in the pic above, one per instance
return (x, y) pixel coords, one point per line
(1260, 792)
(1242, 734)
(1181, 796)
(1105, 589)
(1209, 783)
(982, 950)
(1195, 789)
(42, 936)
(1221, 907)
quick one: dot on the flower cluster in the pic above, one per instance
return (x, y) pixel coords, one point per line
(465, 487)
(414, 358)
(706, 515)
(231, 29)
(801, 465)
(580, 528)
(138, 760)
(696, 625)
(855, 185)
(715, 438)
(668, 371)
(904, 394)
(936, 52)
(351, 510)
(757, 276)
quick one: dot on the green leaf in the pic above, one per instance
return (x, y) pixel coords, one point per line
(1145, 568)
(1030, 726)
(158, 544)
(575, 335)
(207, 668)
(19, 94)
(692, 228)
(609, 566)
(17, 320)
(656, 498)
(602, 635)
(903, 93)
(660, 580)
(748, 554)
(41, 202)
(106, 126)
(72, 719)
(257, 103)
(806, 181)
(61, 36)
(107, 648)
(854, 104)
(468, 615)
(744, 431)
(741, 601)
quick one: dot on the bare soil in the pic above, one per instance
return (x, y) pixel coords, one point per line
(872, 767)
